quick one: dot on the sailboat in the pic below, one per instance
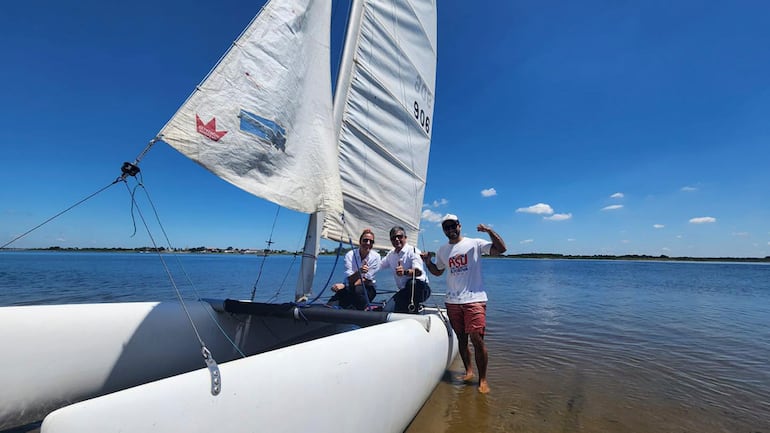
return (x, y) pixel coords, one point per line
(264, 119)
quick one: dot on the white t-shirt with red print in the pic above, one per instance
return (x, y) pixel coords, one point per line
(463, 260)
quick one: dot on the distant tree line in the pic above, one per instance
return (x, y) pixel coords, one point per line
(661, 257)
(344, 249)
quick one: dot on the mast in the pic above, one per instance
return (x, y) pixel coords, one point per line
(309, 255)
(346, 64)
(315, 221)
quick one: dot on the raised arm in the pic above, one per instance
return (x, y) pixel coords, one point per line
(429, 265)
(498, 245)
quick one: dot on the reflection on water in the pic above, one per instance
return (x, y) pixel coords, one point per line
(575, 346)
(584, 346)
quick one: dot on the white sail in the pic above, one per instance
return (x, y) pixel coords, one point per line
(385, 105)
(262, 118)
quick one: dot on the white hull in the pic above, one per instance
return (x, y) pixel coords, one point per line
(373, 379)
(55, 355)
(65, 354)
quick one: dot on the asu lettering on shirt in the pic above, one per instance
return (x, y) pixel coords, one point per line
(458, 263)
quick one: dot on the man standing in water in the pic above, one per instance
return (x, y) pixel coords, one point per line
(466, 298)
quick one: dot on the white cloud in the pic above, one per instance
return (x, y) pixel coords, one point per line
(625, 241)
(571, 240)
(558, 217)
(703, 220)
(429, 215)
(490, 192)
(539, 209)
(679, 236)
(658, 226)
(617, 195)
(689, 189)
(526, 241)
(613, 207)
(741, 234)
(438, 203)
(666, 249)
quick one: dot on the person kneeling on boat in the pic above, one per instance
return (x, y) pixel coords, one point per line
(411, 280)
(361, 265)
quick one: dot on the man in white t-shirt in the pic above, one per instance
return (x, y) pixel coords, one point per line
(466, 297)
(411, 281)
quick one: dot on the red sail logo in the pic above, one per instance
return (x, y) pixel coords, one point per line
(209, 129)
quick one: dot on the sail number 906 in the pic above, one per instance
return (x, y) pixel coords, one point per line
(420, 116)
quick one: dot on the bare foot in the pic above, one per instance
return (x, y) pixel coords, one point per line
(483, 386)
(467, 377)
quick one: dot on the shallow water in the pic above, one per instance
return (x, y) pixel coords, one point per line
(575, 346)
(589, 346)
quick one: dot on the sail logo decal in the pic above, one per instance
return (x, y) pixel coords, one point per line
(209, 130)
(263, 128)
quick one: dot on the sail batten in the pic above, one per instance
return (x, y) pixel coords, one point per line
(390, 154)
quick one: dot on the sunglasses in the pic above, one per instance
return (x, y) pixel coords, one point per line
(367, 241)
(393, 238)
(450, 226)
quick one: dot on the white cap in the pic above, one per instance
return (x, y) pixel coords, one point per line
(449, 217)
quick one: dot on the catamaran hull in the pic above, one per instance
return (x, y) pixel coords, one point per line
(372, 379)
(56, 355)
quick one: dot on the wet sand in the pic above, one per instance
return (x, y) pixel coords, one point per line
(571, 400)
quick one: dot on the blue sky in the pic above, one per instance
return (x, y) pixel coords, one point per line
(595, 127)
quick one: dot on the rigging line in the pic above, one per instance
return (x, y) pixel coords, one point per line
(264, 256)
(421, 236)
(168, 272)
(209, 311)
(331, 274)
(131, 169)
(414, 280)
(334, 266)
(285, 277)
(140, 182)
(59, 214)
(165, 268)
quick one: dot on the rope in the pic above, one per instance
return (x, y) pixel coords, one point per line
(328, 280)
(264, 257)
(78, 203)
(414, 279)
(411, 302)
(209, 311)
(285, 276)
(165, 266)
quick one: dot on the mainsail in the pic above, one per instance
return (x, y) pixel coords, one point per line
(262, 118)
(384, 109)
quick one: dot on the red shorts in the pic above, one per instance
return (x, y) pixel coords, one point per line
(468, 318)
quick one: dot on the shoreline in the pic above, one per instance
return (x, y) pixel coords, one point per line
(536, 256)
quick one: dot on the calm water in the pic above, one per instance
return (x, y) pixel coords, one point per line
(575, 346)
